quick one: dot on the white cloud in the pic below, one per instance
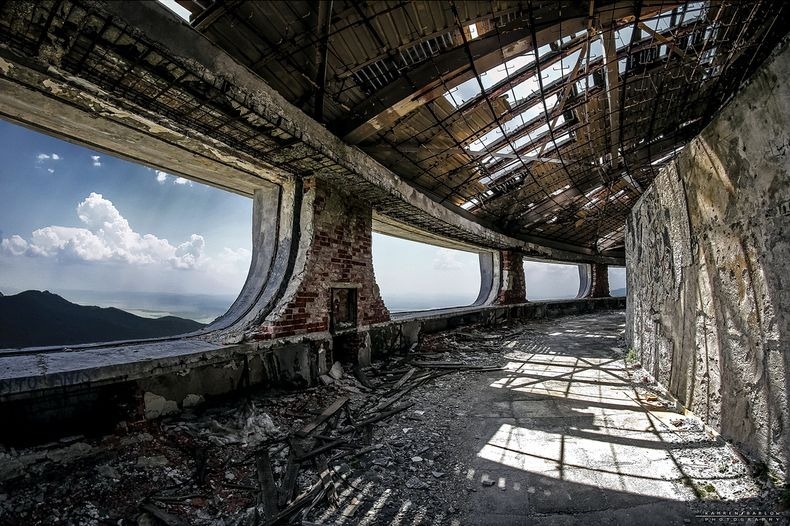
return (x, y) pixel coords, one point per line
(47, 156)
(189, 253)
(162, 177)
(106, 236)
(55, 157)
(446, 260)
(43, 156)
(96, 160)
(50, 170)
(13, 246)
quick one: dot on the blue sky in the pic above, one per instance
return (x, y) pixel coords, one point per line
(75, 219)
(72, 218)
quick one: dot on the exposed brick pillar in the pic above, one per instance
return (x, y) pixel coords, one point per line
(512, 285)
(335, 254)
(599, 281)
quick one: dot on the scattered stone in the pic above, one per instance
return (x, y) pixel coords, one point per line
(107, 471)
(415, 483)
(192, 400)
(156, 406)
(152, 462)
(198, 482)
(326, 379)
(336, 371)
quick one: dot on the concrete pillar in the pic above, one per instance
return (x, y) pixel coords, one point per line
(332, 287)
(512, 284)
(599, 281)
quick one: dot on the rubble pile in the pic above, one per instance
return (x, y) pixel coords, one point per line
(267, 458)
(394, 443)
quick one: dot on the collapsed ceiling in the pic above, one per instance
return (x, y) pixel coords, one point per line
(546, 119)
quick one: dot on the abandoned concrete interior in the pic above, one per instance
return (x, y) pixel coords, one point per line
(651, 134)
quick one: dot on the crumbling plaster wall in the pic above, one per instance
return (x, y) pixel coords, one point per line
(707, 251)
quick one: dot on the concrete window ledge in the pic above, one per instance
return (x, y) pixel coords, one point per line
(150, 379)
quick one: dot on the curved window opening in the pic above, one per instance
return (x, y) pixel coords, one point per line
(94, 248)
(414, 276)
(551, 281)
(617, 283)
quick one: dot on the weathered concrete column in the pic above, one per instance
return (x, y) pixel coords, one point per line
(599, 281)
(332, 287)
(512, 284)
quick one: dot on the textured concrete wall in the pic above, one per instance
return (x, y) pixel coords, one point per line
(335, 252)
(512, 283)
(708, 249)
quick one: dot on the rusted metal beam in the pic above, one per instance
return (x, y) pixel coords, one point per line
(322, 54)
(450, 69)
(563, 98)
(664, 40)
(612, 91)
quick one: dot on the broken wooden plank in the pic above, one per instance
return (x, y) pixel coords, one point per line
(359, 374)
(297, 504)
(322, 449)
(434, 363)
(161, 515)
(328, 412)
(458, 366)
(267, 489)
(357, 453)
(376, 418)
(397, 396)
(404, 378)
(326, 480)
(288, 484)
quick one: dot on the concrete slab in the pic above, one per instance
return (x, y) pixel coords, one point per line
(582, 443)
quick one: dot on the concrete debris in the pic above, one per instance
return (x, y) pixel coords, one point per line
(156, 406)
(340, 453)
(415, 483)
(336, 372)
(152, 462)
(192, 400)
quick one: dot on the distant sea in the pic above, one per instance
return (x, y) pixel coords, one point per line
(205, 308)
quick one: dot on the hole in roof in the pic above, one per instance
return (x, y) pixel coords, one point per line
(470, 89)
(512, 125)
(176, 8)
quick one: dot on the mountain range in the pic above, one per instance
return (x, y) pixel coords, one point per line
(38, 318)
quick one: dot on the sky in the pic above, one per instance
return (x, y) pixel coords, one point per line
(72, 219)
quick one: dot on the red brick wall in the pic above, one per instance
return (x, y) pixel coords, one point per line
(340, 253)
(512, 287)
(599, 277)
